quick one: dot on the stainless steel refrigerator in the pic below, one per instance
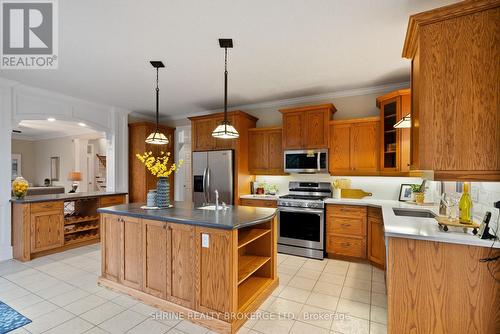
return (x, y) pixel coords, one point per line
(213, 170)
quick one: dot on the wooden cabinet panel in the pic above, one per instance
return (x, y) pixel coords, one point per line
(293, 130)
(340, 210)
(213, 270)
(350, 226)
(258, 151)
(131, 251)
(275, 151)
(111, 231)
(265, 151)
(354, 146)
(317, 123)
(47, 230)
(202, 139)
(455, 118)
(265, 203)
(105, 201)
(155, 245)
(376, 241)
(340, 149)
(364, 146)
(47, 206)
(181, 266)
(307, 127)
(347, 246)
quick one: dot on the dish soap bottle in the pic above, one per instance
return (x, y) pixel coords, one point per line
(465, 206)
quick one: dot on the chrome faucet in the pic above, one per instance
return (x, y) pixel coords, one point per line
(216, 200)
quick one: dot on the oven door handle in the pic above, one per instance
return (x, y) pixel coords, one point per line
(304, 210)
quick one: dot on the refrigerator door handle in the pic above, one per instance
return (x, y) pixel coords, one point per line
(205, 175)
(208, 186)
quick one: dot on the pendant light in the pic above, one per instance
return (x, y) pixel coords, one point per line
(156, 137)
(225, 130)
(403, 123)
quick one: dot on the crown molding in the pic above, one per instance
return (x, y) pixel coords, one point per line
(296, 101)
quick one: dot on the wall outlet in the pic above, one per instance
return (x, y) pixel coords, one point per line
(474, 194)
(205, 240)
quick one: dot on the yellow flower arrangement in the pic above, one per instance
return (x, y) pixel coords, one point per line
(158, 166)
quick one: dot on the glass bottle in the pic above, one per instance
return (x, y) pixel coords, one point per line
(465, 206)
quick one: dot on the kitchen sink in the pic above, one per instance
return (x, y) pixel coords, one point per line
(413, 213)
(210, 207)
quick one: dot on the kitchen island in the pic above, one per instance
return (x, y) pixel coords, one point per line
(211, 267)
(46, 224)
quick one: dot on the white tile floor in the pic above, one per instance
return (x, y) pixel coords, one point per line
(60, 294)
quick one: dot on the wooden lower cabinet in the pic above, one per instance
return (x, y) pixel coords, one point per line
(155, 257)
(376, 238)
(47, 230)
(131, 252)
(355, 232)
(181, 264)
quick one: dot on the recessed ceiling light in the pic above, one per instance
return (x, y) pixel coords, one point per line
(82, 124)
(51, 119)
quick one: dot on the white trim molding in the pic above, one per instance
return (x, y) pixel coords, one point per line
(20, 102)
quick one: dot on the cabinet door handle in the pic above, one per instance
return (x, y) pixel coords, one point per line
(346, 244)
(345, 225)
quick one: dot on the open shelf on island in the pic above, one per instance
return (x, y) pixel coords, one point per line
(248, 235)
(251, 288)
(248, 264)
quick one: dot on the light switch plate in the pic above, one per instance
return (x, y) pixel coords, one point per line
(205, 240)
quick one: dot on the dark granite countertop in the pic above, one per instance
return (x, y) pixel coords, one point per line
(63, 197)
(234, 217)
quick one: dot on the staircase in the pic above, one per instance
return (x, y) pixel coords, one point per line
(100, 178)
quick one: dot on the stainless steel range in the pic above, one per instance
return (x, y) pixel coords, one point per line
(301, 219)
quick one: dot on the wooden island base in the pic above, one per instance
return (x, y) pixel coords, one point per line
(210, 276)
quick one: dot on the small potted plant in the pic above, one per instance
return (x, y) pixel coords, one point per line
(418, 193)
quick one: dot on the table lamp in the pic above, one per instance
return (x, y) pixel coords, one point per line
(75, 177)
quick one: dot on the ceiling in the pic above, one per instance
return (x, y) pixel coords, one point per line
(43, 129)
(282, 49)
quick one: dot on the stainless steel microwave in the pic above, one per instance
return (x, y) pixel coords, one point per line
(306, 161)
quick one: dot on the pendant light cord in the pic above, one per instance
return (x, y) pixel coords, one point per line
(157, 101)
(225, 86)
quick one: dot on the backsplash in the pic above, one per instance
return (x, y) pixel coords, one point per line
(380, 187)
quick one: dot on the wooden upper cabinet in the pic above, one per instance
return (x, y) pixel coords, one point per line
(455, 92)
(203, 126)
(307, 127)
(265, 151)
(354, 147)
(394, 142)
(202, 134)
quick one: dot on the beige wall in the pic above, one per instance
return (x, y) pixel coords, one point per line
(27, 151)
(347, 107)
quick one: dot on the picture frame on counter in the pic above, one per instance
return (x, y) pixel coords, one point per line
(405, 193)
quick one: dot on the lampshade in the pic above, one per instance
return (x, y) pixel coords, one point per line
(404, 122)
(225, 131)
(75, 176)
(157, 138)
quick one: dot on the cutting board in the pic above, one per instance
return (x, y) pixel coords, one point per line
(444, 222)
(354, 193)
